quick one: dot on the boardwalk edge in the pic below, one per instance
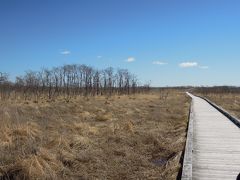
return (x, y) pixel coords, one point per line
(234, 119)
(187, 161)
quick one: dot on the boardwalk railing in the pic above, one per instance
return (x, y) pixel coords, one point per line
(234, 119)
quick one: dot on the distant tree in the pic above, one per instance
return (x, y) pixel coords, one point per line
(70, 81)
(4, 85)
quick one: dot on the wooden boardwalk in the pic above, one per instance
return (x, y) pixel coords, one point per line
(213, 146)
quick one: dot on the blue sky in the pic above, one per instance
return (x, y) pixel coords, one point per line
(170, 42)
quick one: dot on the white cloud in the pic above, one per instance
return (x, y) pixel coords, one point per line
(203, 67)
(188, 64)
(159, 63)
(192, 64)
(65, 52)
(99, 57)
(130, 59)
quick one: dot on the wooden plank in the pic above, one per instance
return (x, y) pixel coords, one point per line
(187, 162)
(215, 143)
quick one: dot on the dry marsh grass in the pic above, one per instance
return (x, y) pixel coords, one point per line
(121, 137)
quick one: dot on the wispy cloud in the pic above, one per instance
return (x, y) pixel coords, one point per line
(203, 67)
(130, 59)
(159, 63)
(99, 57)
(192, 64)
(65, 52)
(188, 64)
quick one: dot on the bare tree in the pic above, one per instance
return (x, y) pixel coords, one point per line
(70, 81)
(4, 85)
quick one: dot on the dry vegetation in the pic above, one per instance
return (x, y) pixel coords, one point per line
(120, 137)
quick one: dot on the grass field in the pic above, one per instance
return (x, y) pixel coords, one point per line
(120, 137)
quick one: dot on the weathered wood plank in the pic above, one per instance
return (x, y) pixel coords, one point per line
(215, 143)
(187, 162)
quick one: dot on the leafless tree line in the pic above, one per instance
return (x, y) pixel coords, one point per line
(70, 81)
(217, 90)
